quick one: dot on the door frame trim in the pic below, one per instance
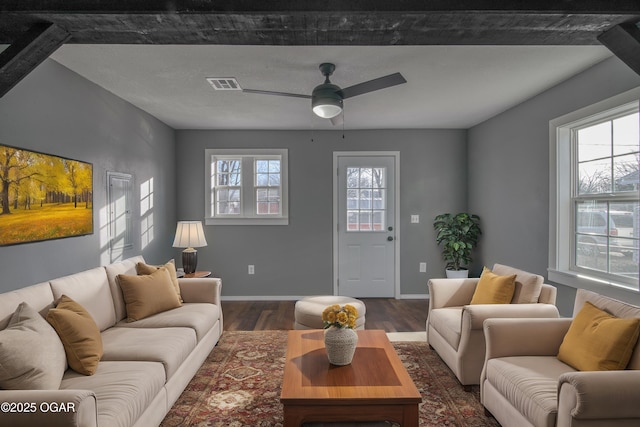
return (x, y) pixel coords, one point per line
(396, 225)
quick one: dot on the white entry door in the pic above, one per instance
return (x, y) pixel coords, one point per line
(366, 225)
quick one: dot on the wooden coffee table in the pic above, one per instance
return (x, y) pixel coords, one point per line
(374, 387)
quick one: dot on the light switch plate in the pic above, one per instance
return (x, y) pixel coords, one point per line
(415, 219)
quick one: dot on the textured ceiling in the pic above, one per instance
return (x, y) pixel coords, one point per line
(448, 86)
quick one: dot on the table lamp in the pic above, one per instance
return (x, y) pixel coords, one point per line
(189, 235)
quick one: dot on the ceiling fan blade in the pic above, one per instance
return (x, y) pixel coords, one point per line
(269, 92)
(338, 120)
(373, 85)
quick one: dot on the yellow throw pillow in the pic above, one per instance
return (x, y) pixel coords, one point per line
(79, 334)
(598, 341)
(143, 269)
(148, 294)
(494, 289)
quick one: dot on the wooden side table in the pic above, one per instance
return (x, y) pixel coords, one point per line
(198, 274)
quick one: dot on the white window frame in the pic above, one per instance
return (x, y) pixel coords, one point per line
(248, 214)
(561, 219)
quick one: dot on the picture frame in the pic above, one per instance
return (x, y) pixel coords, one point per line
(43, 196)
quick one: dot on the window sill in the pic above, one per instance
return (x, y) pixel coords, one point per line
(582, 281)
(247, 221)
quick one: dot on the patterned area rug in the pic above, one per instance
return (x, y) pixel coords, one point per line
(239, 385)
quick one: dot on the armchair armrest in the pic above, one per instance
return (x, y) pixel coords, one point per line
(598, 395)
(48, 407)
(451, 292)
(205, 289)
(473, 316)
(524, 337)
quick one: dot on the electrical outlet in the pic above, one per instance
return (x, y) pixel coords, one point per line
(423, 267)
(415, 219)
(251, 269)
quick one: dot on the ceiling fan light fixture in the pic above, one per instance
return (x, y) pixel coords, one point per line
(326, 102)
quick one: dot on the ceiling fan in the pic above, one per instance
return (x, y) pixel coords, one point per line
(327, 98)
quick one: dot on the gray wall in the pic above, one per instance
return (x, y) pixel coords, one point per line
(509, 171)
(55, 111)
(297, 259)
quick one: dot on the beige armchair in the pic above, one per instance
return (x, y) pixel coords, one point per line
(523, 382)
(454, 327)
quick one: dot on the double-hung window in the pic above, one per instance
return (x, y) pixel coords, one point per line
(595, 209)
(246, 187)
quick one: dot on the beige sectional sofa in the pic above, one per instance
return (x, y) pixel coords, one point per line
(524, 383)
(145, 366)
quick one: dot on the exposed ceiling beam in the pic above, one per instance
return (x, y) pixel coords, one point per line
(325, 22)
(624, 41)
(26, 53)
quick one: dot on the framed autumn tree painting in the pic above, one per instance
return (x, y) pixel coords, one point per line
(43, 196)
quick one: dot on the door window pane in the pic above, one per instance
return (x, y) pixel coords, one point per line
(366, 199)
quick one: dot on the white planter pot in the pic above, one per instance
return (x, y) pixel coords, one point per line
(457, 274)
(340, 344)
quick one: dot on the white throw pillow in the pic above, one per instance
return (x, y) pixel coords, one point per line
(31, 354)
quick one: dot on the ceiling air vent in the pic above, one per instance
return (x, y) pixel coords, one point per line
(224, 83)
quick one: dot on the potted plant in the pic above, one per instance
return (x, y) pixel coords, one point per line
(459, 235)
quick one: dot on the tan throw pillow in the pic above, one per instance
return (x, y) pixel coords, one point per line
(79, 334)
(528, 285)
(148, 294)
(144, 269)
(599, 341)
(493, 289)
(31, 354)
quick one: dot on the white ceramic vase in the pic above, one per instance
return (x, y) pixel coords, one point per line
(340, 344)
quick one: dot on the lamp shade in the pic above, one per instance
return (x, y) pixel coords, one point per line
(189, 234)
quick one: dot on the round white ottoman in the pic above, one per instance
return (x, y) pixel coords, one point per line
(308, 310)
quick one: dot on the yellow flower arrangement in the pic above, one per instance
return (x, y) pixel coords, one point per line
(340, 317)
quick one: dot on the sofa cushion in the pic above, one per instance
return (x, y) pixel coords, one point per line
(91, 290)
(493, 289)
(22, 368)
(128, 266)
(124, 390)
(79, 335)
(39, 297)
(529, 383)
(143, 269)
(528, 285)
(148, 294)
(598, 341)
(448, 324)
(615, 307)
(201, 317)
(169, 346)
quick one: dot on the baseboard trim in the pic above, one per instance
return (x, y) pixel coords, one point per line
(297, 297)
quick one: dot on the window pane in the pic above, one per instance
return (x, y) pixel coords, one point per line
(365, 221)
(366, 199)
(365, 177)
(625, 170)
(268, 201)
(378, 220)
(594, 142)
(262, 180)
(594, 177)
(274, 180)
(353, 177)
(352, 221)
(262, 166)
(626, 134)
(379, 178)
(274, 166)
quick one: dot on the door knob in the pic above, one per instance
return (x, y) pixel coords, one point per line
(390, 238)
(390, 228)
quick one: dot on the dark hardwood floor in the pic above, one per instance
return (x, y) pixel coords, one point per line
(388, 314)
